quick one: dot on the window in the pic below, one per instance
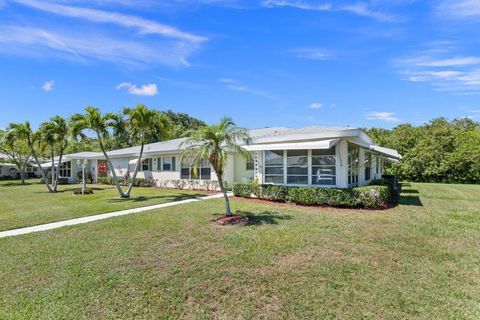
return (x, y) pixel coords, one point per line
(66, 169)
(190, 172)
(205, 170)
(185, 170)
(297, 166)
(368, 166)
(145, 165)
(352, 165)
(166, 164)
(274, 166)
(324, 167)
(250, 163)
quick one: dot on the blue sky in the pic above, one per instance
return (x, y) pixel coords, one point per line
(263, 62)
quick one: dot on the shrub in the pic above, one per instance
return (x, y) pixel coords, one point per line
(373, 196)
(382, 182)
(345, 198)
(308, 196)
(244, 190)
(274, 193)
(79, 191)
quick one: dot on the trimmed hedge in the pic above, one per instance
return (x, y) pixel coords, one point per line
(365, 197)
(139, 182)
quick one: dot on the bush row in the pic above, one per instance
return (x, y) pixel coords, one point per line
(139, 182)
(374, 196)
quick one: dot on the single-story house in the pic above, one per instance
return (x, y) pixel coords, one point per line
(10, 170)
(316, 156)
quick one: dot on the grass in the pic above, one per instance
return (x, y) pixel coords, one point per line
(419, 260)
(23, 206)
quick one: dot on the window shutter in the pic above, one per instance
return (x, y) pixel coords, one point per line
(174, 165)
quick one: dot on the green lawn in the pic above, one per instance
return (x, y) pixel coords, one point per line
(420, 260)
(23, 206)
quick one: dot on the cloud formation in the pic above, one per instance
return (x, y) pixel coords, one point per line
(382, 115)
(312, 54)
(459, 8)
(234, 85)
(315, 105)
(48, 86)
(358, 8)
(144, 90)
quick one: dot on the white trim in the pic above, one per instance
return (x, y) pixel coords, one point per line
(322, 144)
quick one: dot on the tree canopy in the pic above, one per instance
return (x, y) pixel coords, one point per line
(440, 151)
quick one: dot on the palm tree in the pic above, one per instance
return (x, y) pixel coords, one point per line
(24, 131)
(214, 142)
(140, 122)
(101, 125)
(54, 135)
(16, 150)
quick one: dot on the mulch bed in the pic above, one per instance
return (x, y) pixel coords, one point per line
(231, 220)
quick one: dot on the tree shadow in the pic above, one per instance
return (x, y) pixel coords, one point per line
(171, 197)
(266, 217)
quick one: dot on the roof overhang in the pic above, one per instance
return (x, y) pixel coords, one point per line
(322, 144)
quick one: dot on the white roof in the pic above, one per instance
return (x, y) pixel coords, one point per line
(274, 138)
(323, 144)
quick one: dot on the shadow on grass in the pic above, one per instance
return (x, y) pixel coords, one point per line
(410, 191)
(410, 197)
(169, 198)
(266, 217)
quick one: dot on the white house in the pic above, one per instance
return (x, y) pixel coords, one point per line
(316, 156)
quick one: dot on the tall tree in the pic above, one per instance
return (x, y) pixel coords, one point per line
(101, 125)
(17, 151)
(24, 131)
(214, 142)
(54, 135)
(142, 122)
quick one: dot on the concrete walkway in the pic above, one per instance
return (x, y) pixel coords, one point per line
(72, 222)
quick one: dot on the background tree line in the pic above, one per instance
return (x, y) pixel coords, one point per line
(440, 151)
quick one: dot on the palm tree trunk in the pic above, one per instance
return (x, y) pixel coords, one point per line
(44, 177)
(53, 169)
(228, 212)
(135, 172)
(110, 166)
(57, 174)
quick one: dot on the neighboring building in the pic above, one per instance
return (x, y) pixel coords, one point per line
(317, 156)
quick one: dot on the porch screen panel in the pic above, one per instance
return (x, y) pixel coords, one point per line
(185, 170)
(324, 167)
(353, 165)
(297, 166)
(368, 166)
(274, 166)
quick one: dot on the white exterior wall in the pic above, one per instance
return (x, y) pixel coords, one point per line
(120, 165)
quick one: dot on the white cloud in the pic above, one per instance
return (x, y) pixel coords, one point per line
(48, 86)
(144, 26)
(357, 8)
(315, 105)
(383, 116)
(312, 54)
(236, 86)
(144, 90)
(75, 46)
(459, 8)
(427, 61)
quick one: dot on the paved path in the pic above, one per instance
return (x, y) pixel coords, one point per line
(71, 222)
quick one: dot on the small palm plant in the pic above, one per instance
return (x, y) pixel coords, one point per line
(213, 143)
